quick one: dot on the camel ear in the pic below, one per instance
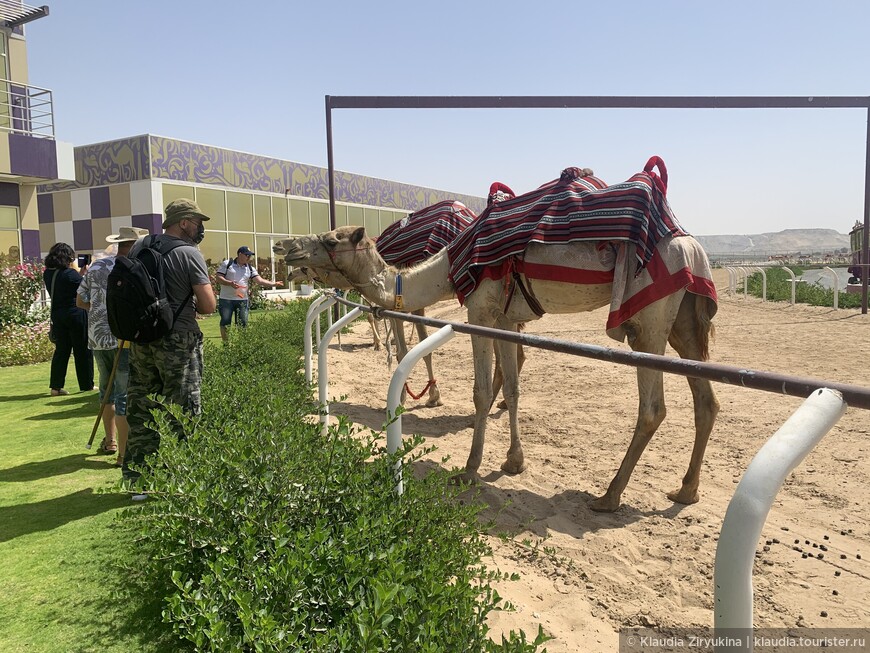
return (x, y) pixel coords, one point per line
(357, 236)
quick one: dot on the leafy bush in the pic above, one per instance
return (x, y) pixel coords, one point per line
(23, 326)
(270, 536)
(24, 344)
(19, 289)
(814, 294)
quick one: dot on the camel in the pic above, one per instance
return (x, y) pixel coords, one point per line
(679, 317)
(410, 241)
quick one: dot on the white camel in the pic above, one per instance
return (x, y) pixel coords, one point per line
(678, 317)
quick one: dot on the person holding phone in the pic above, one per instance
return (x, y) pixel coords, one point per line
(234, 276)
(69, 322)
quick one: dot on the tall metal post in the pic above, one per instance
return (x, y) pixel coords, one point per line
(330, 166)
(865, 247)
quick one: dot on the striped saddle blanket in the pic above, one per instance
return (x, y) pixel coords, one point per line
(423, 233)
(570, 209)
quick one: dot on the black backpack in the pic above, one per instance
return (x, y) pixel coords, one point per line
(136, 301)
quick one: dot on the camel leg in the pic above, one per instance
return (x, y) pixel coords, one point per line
(498, 377)
(376, 336)
(434, 392)
(684, 339)
(651, 413)
(482, 349)
(507, 354)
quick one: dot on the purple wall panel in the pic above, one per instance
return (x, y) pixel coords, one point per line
(82, 235)
(33, 157)
(100, 204)
(9, 194)
(150, 221)
(30, 243)
(45, 207)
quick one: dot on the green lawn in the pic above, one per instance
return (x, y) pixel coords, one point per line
(60, 585)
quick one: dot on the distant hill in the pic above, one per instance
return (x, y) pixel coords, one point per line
(788, 241)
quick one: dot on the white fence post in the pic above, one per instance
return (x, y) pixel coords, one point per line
(753, 498)
(323, 370)
(394, 394)
(836, 287)
(793, 283)
(313, 314)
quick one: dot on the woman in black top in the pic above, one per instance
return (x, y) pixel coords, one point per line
(70, 322)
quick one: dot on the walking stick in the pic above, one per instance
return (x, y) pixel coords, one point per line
(106, 395)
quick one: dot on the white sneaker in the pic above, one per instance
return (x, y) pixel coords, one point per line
(139, 497)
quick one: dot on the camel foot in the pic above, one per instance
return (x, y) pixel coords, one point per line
(377, 347)
(512, 467)
(434, 402)
(502, 404)
(604, 504)
(684, 495)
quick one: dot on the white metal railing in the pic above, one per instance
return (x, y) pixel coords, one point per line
(751, 503)
(26, 109)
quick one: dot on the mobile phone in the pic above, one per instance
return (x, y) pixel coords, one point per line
(84, 259)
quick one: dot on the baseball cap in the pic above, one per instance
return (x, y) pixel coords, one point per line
(127, 234)
(178, 210)
(244, 250)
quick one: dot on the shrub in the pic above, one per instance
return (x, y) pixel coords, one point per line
(19, 289)
(25, 344)
(270, 536)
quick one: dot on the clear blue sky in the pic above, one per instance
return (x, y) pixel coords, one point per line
(252, 76)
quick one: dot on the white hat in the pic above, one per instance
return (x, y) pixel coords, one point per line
(127, 234)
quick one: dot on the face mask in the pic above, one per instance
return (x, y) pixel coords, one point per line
(200, 234)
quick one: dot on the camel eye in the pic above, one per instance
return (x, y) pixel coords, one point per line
(331, 243)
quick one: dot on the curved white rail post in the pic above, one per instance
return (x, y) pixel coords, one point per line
(763, 283)
(745, 282)
(793, 283)
(836, 287)
(732, 280)
(394, 394)
(322, 371)
(313, 314)
(753, 498)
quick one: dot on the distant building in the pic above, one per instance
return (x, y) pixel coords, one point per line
(29, 152)
(252, 200)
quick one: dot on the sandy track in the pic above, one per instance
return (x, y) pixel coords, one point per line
(651, 562)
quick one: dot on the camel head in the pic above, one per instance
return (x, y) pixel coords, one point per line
(329, 278)
(336, 251)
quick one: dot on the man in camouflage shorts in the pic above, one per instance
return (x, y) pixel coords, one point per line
(172, 365)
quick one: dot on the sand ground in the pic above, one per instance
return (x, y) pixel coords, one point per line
(583, 574)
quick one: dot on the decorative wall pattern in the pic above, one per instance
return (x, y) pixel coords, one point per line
(113, 162)
(194, 163)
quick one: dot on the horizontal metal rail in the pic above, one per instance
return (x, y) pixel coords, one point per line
(785, 384)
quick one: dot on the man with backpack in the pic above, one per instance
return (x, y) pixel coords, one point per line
(234, 277)
(171, 364)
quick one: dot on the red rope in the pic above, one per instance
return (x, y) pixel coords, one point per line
(424, 391)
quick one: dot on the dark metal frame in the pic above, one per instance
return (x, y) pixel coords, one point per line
(604, 102)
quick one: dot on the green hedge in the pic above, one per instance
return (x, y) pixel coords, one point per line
(265, 535)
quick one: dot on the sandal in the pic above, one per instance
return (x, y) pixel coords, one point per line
(105, 450)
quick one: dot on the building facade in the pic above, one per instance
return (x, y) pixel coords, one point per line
(252, 200)
(29, 152)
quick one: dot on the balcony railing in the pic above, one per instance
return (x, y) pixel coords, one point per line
(26, 109)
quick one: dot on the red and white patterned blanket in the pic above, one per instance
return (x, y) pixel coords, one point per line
(566, 210)
(419, 235)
